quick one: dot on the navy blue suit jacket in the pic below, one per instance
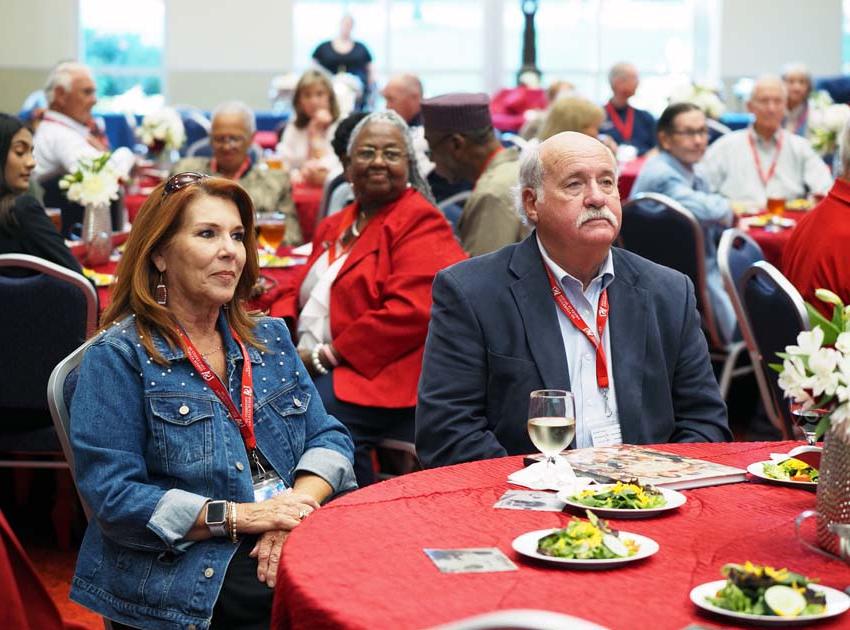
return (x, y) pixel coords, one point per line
(494, 337)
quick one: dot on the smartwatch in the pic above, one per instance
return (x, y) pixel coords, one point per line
(215, 518)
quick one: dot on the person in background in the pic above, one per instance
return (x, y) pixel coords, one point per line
(231, 135)
(200, 441)
(464, 147)
(68, 134)
(798, 85)
(675, 172)
(24, 226)
(624, 123)
(359, 308)
(764, 161)
(499, 329)
(403, 94)
(340, 191)
(574, 113)
(817, 255)
(305, 146)
(344, 55)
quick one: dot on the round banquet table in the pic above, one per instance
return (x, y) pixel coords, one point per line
(358, 562)
(773, 243)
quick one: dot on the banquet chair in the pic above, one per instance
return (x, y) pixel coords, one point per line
(776, 314)
(736, 253)
(334, 178)
(195, 122)
(509, 139)
(395, 457)
(452, 206)
(662, 230)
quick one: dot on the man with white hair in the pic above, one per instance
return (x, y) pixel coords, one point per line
(624, 123)
(403, 94)
(65, 136)
(764, 161)
(817, 255)
(564, 310)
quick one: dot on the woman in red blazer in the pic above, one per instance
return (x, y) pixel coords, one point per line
(361, 305)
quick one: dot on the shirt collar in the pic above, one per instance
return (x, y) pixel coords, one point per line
(674, 163)
(62, 119)
(773, 141)
(231, 348)
(605, 275)
(841, 190)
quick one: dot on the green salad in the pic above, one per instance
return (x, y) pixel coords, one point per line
(592, 539)
(628, 495)
(758, 590)
(791, 470)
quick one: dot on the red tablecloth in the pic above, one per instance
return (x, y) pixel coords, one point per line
(358, 562)
(773, 243)
(627, 176)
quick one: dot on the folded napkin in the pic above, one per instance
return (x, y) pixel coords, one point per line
(811, 455)
(562, 477)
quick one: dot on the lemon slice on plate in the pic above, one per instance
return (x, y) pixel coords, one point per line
(615, 545)
(784, 600)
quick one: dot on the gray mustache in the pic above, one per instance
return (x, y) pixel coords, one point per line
(592, 214)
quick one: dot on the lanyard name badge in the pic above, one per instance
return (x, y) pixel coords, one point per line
(601, 320)
(266, 483)
(765, 177)
(626, 128)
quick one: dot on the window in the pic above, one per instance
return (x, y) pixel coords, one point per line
(123, 47)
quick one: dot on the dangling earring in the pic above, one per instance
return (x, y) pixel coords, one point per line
(161, 292)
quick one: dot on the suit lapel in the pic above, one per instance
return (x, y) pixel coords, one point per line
(533, 298)
(628, 344)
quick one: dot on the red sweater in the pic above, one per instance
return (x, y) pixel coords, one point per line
(817, 255)
(381, 299)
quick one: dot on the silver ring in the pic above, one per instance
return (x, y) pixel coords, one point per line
(301, 514)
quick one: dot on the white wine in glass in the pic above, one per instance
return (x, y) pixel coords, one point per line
(551, 424)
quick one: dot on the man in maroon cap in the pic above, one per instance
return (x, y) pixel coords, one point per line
(464, 148)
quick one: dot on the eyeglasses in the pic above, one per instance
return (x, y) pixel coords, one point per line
(225, 140)
(691, 133)
(390, 155)
(181, 180)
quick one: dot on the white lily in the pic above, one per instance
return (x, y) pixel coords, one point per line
(808, 342)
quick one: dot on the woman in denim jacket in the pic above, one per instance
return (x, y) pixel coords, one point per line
(192, 499)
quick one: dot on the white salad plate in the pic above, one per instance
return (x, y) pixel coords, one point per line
(756, 469)
(673, 500)
(526, 545)
(836, 604)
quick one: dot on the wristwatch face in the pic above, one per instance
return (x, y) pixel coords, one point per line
(215, 512)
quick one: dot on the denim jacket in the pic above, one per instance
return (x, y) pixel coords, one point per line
(153, 443)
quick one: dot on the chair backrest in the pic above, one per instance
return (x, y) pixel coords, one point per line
(736, 253)
(333, 179)
(60, 391)
(44, 316)
(776, 314)
(662, 230)
(195, 122)
(457, 198)
(509, 139)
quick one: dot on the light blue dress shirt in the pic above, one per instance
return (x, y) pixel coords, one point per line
(581, 355)
(666, 175)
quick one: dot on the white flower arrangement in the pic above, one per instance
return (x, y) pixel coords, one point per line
(700, 95)
(816, 371)
(162, 130)
(95, 182)
(826, 120)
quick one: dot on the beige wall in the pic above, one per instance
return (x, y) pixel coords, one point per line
(34, 35)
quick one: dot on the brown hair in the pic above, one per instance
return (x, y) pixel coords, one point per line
(312, 77)
(137, 276)
(572, 113)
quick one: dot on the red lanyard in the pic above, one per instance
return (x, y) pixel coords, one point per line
(601, 320)
(239, 172)
(625, 128)
(765, 178)
(244, 420)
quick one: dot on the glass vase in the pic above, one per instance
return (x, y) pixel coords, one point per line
(97, 233)
(833, 496)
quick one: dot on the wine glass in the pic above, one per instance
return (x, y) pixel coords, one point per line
(806, 419)
(551, 424)
(272, 229)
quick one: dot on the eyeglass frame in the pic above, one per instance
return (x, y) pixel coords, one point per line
(228, 140)
(181, 180)
(691, 133)
(382, 152)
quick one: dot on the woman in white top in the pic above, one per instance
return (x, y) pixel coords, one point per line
(306, 143)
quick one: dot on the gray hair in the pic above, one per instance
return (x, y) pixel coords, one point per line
(238, 107)
(62, 76)
(620, 69)
(414, 176)
(530, 176)
(797, 68)
(844, 150)
(765, 80)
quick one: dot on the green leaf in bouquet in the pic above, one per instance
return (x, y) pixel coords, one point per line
(830, 331)
(776, 367)
(822, 427)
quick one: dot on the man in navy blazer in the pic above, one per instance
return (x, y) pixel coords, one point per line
(497, 332)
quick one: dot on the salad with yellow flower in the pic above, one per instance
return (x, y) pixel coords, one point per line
(624, 495)
(791, 469)
(592, 539)
(763, 590)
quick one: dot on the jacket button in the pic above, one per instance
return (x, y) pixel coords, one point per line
(183, 410)
(191, 626)
(296, 402)
(240, 466)
(209, 572)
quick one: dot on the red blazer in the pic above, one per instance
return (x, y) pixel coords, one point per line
(381, 299)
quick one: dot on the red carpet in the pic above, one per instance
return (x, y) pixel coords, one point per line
(55, 568)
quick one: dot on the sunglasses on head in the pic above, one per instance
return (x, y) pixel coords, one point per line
(181, 180)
